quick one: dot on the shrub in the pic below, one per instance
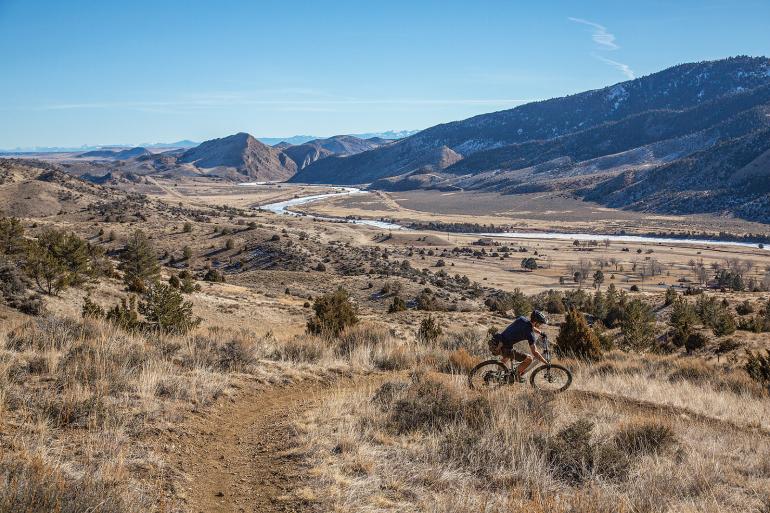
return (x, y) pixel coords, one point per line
(237, 354)
(724, 323)
(124, 314)
(187, 283)
(606, 340)
(644, 437)
(576, 338)
(391, 287)
(333, 313)
(398, 305)
(501, 302)
(229, 244)
(460, 362)
(758, 367)
(388, 392)
(173, 280)
(11, 236)
(550, 301)
(430, 330)
(360, 335)
(671, 296)
(429, 405)
(428, 302)
(393, 358)
(695, 341)
(636, 326)
(166, 311)
(187, 228)
(13, 289)
(30, 484)
(744, 308)
(214, 276)
(707, 309)
(91, 310)
(300, 349)
(139, 262)
(570, 454)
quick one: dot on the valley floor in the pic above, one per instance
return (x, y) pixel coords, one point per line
(249, 412)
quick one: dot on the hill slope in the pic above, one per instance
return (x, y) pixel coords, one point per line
(678, 88)
(240, 157)
(341, 145)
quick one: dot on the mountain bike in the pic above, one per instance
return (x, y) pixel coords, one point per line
(492, 374)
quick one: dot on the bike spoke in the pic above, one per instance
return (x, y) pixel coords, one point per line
(553, 379)
(487, 377)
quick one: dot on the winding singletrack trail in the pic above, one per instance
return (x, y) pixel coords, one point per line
(242, 456)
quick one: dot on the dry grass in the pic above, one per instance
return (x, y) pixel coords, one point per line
(690, 384)
(429, 444)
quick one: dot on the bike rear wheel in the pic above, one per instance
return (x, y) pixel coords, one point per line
(552, 378)
(488, 375)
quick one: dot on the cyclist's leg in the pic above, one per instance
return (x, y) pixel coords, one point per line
(525, 361)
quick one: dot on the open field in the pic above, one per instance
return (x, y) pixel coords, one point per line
(249, 411)
(529, 212)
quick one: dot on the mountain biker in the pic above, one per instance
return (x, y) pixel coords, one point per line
(519, 330)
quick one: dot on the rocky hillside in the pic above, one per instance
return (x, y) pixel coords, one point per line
(678, 88)
(240, 157)
(341, 145)
(117, 154)
(676, 120)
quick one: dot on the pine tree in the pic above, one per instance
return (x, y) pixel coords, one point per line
(139, 262)
(166, 311)
(725, 323)
(11, 236)
(683, 320)
(637, 325)
(598, 279)
(49, 274)
(576, 338)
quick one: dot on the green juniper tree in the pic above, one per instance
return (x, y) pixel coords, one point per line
(637, 325)
(139, 262)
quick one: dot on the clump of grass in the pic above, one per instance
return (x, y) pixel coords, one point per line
(31, 484)
(644, 436)
(430, 405)
(394, 357)
(388, 392)
(300, 349)
(694, 371)
(361, 335)
(459, 362)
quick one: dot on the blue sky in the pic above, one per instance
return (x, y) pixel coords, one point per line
(107, 72)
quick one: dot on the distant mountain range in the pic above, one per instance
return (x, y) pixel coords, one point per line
(691, 138)
(239, 157)
(341, 145)
(302, 139)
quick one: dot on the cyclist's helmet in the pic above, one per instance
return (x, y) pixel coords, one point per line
(539, 317)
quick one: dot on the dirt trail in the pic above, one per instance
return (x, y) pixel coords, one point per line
(241, 455)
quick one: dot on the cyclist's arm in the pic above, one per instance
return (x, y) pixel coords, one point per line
(536, 353)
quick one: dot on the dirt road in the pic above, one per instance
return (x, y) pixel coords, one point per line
(241, 455)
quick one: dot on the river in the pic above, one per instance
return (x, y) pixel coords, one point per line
(282, 207)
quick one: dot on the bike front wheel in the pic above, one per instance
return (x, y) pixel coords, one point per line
(488, 375)
(551, 378)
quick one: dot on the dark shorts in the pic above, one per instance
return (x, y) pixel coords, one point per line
(510, 352)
